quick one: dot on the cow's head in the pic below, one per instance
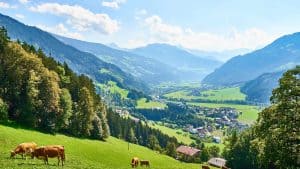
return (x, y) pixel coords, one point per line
(12, 154)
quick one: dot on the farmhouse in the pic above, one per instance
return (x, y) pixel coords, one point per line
(186, 153)
(217, 162)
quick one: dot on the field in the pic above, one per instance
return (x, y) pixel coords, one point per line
(113, 88)
(183, 137)
(143, 104)
(82, 153)
(250, 113)
(233, 93)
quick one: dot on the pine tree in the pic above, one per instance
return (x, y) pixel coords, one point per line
(171, 149)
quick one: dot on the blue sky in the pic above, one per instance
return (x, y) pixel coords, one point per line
(210, 25)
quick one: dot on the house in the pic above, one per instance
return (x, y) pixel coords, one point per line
(216, 139)
(186, 152)
(217, 162)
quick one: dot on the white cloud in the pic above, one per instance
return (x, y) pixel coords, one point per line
(24, 1)
(167, 33)
(115, 4)
(60, 29)
(6, 5)
(20, 16)
(80, 18)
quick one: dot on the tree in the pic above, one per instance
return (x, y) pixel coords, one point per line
(204, 155)
(153, 143)
(63, 119)
(97, 132)
(3, 111)
(278, 126)
(171, 149)
(86, 111)
(214, 151)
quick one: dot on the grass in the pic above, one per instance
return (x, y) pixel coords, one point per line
(113, 88)
(249, 115)
(181, 135)
(232, 93)
(143, 104)
(82, 153)
(184, 137)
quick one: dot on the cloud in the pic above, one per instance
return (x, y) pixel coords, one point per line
(7, 6)
(80, 18)
(20, 16)
(60, 29)
(163, 32)
(115, 4)
(24, 1)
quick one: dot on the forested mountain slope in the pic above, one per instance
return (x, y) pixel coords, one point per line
(282, 54)
(80, 62)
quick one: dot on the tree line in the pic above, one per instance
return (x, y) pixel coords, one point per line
(274, 141)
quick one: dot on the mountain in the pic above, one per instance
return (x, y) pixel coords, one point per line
(222, 56)
(143, 68)
(260, 88)
(282, 54)
(80, 62)
(191, 67)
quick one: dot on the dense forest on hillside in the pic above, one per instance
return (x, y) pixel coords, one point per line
(273, 142)
(41, 93)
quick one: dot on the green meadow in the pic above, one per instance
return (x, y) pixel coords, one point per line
(143, 104)
(249, 112)
(82, 153)
(232, 93)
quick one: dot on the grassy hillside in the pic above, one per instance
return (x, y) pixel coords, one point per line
(233, 93)
(250, 113)
(82, 153)
(181, 136)
(113, 88)
(143, 104)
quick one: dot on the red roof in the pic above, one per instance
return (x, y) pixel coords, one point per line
(190, 151)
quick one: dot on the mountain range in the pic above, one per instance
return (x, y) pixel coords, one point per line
(143, 68)
(189, 66)
(79, 61)
(282, 54)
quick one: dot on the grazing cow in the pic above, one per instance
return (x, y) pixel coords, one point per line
(46, 152)
(134, 162)
(61, 149)
(144, 162)
(205, 167)
(23, 149)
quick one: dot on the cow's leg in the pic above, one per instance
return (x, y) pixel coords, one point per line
(58, 160)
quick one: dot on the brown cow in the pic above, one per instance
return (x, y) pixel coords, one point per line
(134, 162)
(48, 152)
(205, 167)
(144, 162)
(23, 149)
(61, 149)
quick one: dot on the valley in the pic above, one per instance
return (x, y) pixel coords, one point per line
(121, 84)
